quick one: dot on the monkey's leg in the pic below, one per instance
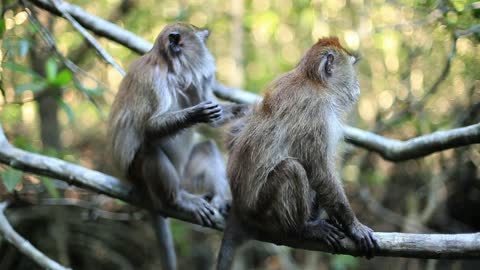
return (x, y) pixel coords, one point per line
(291, 205)
(333, 198)
(163, 184)
(205, 172)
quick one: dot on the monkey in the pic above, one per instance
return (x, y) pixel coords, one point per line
(165, 92)
(282, 157)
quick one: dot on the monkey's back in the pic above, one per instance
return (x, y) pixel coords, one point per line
(291, 122)
(277, 129)
(134, 103)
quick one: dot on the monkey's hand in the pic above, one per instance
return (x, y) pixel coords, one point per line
(363, 237)
(205, 112)
(325, 231)
(222, 204)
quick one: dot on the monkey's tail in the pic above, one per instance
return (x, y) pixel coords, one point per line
(233, 237)
(165, 242)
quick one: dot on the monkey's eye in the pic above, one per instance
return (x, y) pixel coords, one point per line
(355, 59)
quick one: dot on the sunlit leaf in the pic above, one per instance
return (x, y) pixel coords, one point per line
(11, 177)
(63, 78)
(51, 68)
(22, 69)
(50, 186)
(459, 4)
(91, 92)
(68, 110)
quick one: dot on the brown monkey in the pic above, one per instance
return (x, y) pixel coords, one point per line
(164, 93)
(282, 157)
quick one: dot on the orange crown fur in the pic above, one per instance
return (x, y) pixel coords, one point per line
(329, 42)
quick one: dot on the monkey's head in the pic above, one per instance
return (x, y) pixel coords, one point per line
(331, 65)
(184, 43)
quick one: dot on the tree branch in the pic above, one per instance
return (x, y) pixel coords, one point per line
(395, 150)
(455, 246)
(59, 5)
(23, 245)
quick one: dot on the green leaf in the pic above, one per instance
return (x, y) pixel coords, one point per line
(22, 69)
(50, 186)
(34, 87)
(68, 110)
(2, 27)
(51, 69)
(63, 78)
(11, 177)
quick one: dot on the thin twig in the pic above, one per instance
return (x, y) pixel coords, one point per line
(59, 5)
(23, 245)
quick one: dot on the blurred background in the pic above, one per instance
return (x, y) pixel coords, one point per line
(419, 73)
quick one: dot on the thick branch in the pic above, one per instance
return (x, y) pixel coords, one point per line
(81, 177)
(23, 245)
(395, 150)
(456, 246)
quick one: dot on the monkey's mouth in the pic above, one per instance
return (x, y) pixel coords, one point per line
(175, 48)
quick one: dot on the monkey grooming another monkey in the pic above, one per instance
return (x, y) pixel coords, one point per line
(164, 93)
(282, 158)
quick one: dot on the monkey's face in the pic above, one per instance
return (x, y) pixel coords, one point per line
(182, 39)
(328, 63)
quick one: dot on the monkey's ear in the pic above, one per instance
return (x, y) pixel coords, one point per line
(203, 34)
(326, 65)
(174, 39)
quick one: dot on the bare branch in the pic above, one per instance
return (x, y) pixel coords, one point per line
(395, 150)
(99, 26)
(455, 246)
(59, 5)
(23, 245)
(475, 29)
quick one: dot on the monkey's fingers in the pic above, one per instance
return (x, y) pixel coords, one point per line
(334, 243)
(213, 110)
(364, 247)
(338, 243)
(203, 216)
(375, 241)
(334, 230)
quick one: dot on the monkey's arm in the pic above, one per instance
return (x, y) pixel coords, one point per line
(171, 122)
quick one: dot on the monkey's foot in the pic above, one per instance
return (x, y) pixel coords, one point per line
(322, 230)
(363, 237)
(204, 212)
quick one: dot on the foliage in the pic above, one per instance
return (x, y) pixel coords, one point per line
(419, 73)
